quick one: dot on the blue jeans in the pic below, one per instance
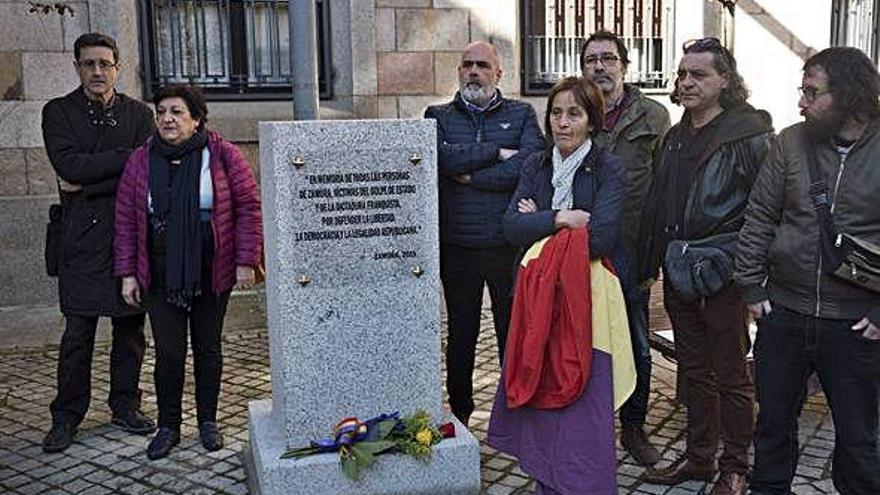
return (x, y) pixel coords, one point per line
(789, 347)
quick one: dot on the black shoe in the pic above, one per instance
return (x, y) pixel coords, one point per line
(59, 437)
(211, 437)
(161, 444)
(133, 421)
(635, 442)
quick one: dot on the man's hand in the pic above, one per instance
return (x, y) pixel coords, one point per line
(572, 219)
(867, 329)
(131, 291)
(505, 153)
(67, 186)
(759, 309)
(526, 205)
(463, 179)
(245, 277)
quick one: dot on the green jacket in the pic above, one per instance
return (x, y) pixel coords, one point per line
(635, 140)
(778, 255)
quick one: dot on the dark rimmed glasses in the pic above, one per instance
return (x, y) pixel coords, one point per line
(810, 93)
(91, 64)
(606, 59)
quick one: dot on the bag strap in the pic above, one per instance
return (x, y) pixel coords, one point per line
(819, 194)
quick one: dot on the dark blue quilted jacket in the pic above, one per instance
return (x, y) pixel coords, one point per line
(468, 143)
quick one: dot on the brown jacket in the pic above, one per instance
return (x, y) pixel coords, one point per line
(778, 256)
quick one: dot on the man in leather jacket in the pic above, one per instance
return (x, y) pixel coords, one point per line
(89, 134)
(707, 166)
(482, 141)
(809, 320)
(632, 130)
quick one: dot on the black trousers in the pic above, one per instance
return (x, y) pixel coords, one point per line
(169, 324)
(75, 366)
(635, 409)
(464, 271)
(789, 347)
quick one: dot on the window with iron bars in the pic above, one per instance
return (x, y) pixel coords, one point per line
(232, 49)
(857, 23)
(554, 30)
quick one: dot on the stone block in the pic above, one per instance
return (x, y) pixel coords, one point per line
(23, 279)
(403, 3)
(10, 76)
(237, 121)
(46, 75)
(363, 48)
(40, 174)
(77, 25)
(385, 31)
(353, 277)
(491, 22)
(405, 73)
(453, 469)
(446, 73)
(13, 171)
(367, 204)
(20, 124)
(365, 107)
(388, 107)
(29, 31)
(413, 107)
(434, 30)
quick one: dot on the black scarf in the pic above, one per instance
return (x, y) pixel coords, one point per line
(176, 214)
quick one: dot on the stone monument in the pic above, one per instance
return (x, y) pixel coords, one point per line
(353, 303)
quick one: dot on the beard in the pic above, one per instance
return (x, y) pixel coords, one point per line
(477, 94)
(822, 129)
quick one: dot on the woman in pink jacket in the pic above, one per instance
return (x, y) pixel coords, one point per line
(188, 229)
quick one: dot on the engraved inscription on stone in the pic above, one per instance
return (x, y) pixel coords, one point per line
(367, 210)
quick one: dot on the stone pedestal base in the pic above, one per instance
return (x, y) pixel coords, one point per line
(454, 467)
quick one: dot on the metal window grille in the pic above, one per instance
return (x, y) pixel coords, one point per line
(857, 23)
(554, 31)
(232, 49)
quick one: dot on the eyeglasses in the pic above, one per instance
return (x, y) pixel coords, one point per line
(90, 64)
(605, 58)
(709, 44)
(702, 44)
(810, 94)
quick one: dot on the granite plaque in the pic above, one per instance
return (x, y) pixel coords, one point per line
(353, 298)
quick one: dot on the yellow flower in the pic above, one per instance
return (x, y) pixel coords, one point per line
(425, 437)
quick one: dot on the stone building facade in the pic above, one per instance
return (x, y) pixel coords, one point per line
(390, 59)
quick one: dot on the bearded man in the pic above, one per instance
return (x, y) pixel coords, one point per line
(809, 319)
(482, 141)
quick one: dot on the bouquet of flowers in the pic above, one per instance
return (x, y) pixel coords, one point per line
(358, 442)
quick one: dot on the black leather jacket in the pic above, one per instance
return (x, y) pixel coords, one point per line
(719, 192)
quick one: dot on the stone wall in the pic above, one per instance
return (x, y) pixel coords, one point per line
(419, 43)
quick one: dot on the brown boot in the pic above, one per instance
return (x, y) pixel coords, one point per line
(680, 471)
(635, 442)
(730, 484)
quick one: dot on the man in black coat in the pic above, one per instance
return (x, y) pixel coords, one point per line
(483, 138)
(89, 134)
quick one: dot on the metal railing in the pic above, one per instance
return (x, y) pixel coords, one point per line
(233, 49)
(554, 31)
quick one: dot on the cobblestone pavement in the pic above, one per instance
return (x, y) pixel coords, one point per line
(106, 460)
